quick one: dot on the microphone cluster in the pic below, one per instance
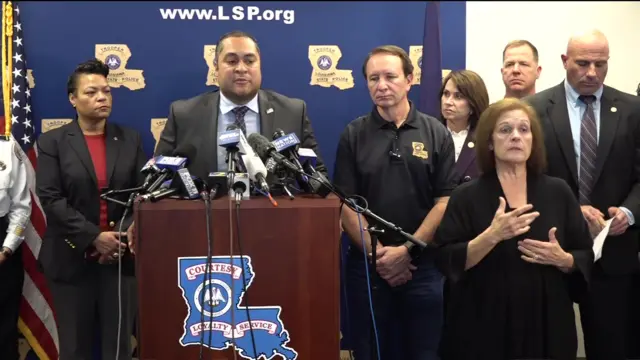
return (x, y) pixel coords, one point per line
(168, 176)
(254, 165)
(251, 161)
(271, 166)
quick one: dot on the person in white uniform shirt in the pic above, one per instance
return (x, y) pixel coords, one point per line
(463, 97)
(15, 210)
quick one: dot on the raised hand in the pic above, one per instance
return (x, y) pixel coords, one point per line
(514, 223)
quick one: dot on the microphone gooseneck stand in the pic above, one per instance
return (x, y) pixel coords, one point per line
(206, 281)
(377, 226)
(133, 193)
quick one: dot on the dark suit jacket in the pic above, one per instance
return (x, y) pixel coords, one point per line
(195, 121)
(68, 190)
(466, 168)
(617, 179)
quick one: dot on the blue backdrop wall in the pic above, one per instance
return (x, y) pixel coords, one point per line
(170, 53)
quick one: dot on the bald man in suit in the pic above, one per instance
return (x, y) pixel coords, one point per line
(592, 138)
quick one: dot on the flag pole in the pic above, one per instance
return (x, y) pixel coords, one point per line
(7, 76)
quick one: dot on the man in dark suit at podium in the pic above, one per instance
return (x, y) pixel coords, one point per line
(592, 138)
(239, 101)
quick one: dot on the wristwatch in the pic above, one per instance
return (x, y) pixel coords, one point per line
(6, 252)
(414, 251)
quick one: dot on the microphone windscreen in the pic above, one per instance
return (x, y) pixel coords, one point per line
(260, 144)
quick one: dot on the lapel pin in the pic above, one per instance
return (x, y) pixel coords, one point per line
(115, 138)
(471, 144)
(613, 109)
(269, 110)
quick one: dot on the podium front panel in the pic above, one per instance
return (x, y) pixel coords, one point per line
(289, 265)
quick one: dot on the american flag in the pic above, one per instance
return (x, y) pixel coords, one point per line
(37, 322)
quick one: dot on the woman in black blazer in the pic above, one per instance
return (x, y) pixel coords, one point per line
(463, 97)
(82, 246)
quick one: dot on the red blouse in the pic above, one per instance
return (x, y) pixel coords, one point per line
(98, 150)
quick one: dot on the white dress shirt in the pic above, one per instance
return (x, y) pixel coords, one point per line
(459, 139)
(15, 198)
(576, 109)
(226, 118)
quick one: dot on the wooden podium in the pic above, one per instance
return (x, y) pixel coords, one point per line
(294, 256)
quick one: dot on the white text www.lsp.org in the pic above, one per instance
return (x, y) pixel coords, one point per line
(236, 13)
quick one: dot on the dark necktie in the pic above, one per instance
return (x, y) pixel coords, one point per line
(239, 112)
(588, 148)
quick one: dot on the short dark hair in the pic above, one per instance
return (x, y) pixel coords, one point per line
(473, 88)
(518, 43)
(485, 157)
(237, 34)
(407, 66)
(92, 66)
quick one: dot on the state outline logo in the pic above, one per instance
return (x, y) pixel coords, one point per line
(238, 307)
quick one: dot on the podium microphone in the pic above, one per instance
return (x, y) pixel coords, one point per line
(182, 182)
(318, 182)
(218, 183)
(150, 170)
(265, 149)
(230, 140)
(159, 194)
(254, 165)
(288, 145)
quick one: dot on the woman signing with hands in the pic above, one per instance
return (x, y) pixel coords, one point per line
(515, 247)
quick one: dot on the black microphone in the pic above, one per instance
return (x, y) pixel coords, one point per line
(151, 171)
(159, 194)
(230, 141)
(182, 181)
(265, 149)
(169, 166)
(218, 184)
(292, 154)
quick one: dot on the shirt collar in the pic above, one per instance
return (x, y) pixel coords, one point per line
(382, 123)
(573, 95)
(461, 132)
(227, 105)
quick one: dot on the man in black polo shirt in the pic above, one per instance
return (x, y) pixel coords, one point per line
(401, 161)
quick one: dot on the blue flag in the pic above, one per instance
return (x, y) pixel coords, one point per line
(431, 61)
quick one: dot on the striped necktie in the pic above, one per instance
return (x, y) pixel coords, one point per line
(239, 112)
(588, 148)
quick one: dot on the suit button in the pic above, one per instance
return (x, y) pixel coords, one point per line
(467, 178)
(112, 224)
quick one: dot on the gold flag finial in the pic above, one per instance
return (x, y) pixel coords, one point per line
(7, 71)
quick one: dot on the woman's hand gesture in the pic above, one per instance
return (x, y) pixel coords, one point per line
(514, 223)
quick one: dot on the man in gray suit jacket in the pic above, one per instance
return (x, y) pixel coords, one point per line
(239, 101)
